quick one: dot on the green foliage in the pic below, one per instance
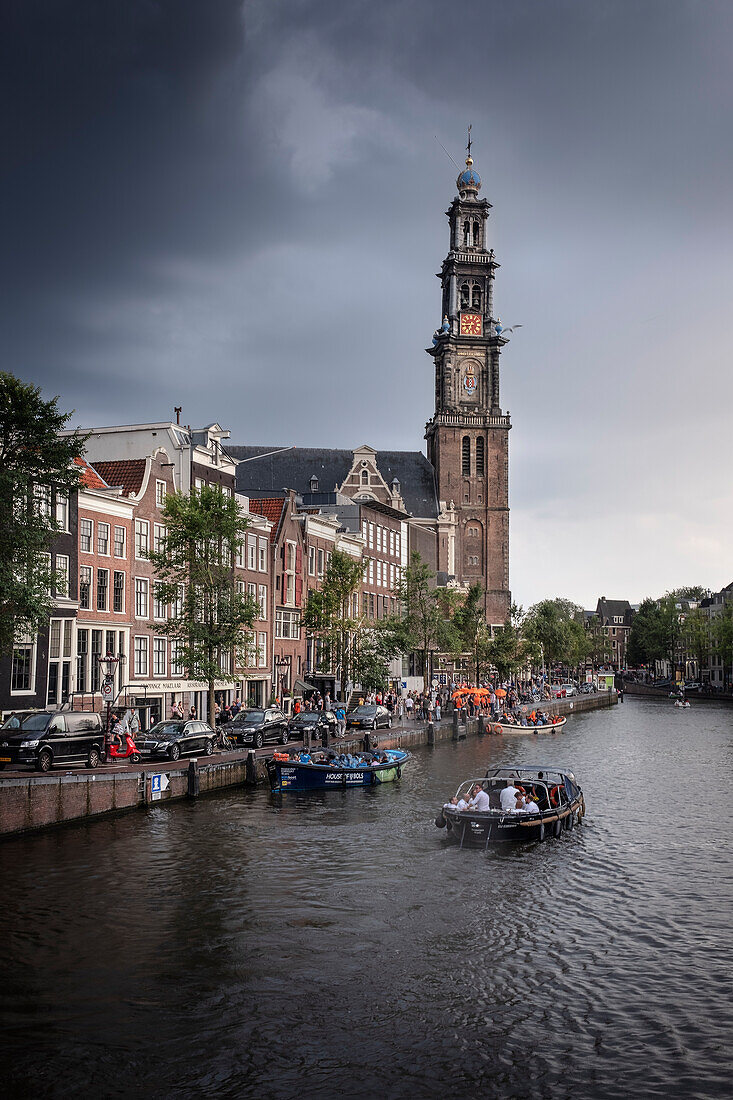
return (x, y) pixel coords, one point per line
(36, 463)
(473, 632)
(426, 620)
(509, 649)
(328, 617)
(646, 636)
(557, 627)
(210, 618)
(721, 630)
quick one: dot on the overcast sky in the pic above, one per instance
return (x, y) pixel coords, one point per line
(239, 208)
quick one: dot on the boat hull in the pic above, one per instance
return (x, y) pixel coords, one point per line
(293, 776)
(478, 830)
(509, 728)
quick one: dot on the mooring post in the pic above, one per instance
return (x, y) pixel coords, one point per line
(193, 778)
(431, 733)
(481, 726)
(250, 770)
(455, 725)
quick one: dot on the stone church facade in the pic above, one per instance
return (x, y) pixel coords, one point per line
(455, 500)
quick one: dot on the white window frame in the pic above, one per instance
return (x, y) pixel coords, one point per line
(161, 491)
(263, 602)
(160, 645)
(142, 530)
(139, 671)
(123, 555)
(262, 551)
(119, 573)
(159, 533)
(252, 552)
(62, 509)
(90, 536)
(262, 649)
(101, 525)
(311, 561)
(96, 601)
(62, 571)
(144, 584)
(24, 644)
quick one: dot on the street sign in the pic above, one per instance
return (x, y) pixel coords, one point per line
(159, 782)
(108, 690)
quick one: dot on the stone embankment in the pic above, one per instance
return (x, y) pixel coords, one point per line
(29, 802)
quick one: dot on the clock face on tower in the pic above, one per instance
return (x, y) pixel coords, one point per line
(470, 324)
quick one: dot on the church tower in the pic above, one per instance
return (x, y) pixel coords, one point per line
(468, 437)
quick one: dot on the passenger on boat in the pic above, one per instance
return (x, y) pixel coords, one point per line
(452, 805)
(530, 806)
(463, 804)
(305, 758)
(520, 806)
(480, 799)
(508, 796)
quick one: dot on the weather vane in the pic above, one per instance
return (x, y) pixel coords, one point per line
(468, 146)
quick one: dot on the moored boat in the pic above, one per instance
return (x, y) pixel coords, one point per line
(479, 819)
(322, 771)
(517, 727)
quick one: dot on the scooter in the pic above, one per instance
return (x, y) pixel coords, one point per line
(131, 750)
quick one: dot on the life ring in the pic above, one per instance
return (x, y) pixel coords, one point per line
(498, 729)
(521, 788)
(555, 796)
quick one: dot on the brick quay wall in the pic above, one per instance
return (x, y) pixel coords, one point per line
(30, 802)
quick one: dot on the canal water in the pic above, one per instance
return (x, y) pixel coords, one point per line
(338, 944)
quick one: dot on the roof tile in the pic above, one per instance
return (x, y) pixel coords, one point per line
(128, 473)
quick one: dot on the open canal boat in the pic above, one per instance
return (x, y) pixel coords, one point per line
(517, 727)
(324, 771)
(513, 803)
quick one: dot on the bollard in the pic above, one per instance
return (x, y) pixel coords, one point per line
(481, 725)
(431, 733)
(455, 725)
(464, 715)
(250, 771)
(307, 740)
(366, 743)
(325, 737)
(193, 779)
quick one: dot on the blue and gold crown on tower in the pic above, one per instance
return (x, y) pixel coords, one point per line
(469, 179)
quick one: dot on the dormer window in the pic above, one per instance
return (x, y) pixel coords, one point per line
(314, 484)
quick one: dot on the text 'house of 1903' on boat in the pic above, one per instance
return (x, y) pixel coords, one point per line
(513, 803)
(322, 771)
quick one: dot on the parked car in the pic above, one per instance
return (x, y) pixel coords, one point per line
(569, 689)
(369, 717)
(255, 726)
(51, 737)
(315, 721)
(174, 739)
(588, 688)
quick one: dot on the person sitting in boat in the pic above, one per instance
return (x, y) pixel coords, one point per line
(508, 796)
(305, 758)
(452, 805)
(520, 804)
(480, 799)
(530, 806)
(463, 803)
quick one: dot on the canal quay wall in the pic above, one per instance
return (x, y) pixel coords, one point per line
(31, 802)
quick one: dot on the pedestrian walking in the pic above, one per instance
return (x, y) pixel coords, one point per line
(409, 704)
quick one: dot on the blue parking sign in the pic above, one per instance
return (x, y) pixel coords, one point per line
(155, 784)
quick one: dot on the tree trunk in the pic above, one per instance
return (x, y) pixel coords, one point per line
(212, 705)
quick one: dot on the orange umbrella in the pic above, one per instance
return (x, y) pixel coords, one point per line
(500, 693)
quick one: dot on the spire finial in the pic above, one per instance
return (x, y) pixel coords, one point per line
(469, 143)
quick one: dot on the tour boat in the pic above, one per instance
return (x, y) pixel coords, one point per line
(682, 703)
(556, 793)
(293, 774)
(515, 727)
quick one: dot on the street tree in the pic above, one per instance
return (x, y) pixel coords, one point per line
(556, 628)
(331, 619)
(425, 622)
(473, 632)
(510, 650)
(37, 473)
(210, 621)
(646, 642)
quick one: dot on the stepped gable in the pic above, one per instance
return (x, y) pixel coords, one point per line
(127, 474)
(293, 469)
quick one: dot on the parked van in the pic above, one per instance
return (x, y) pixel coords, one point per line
(53, 737)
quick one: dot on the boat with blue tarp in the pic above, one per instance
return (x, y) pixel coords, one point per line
(304, 771)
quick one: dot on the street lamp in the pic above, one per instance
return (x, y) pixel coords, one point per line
(281, 663)
(108, 665)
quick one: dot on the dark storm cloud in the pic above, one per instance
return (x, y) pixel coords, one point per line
(239, 208)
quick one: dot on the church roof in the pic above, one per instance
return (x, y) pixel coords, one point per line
(294, 468)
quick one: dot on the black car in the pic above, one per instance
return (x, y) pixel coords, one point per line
(255, 726)
(173, 739)
(369, 717)
(51, 737)
(315, 722)
(588, 688)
